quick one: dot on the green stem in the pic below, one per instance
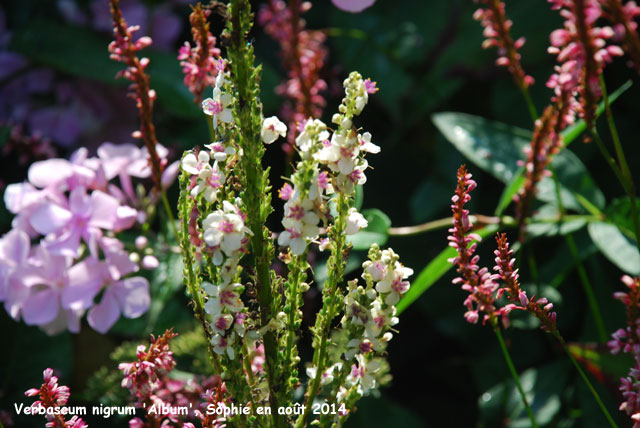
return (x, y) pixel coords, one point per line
(514, 374)
(622, 162)
(172, 221)
(331, 301)
(247, 112)
(530, 105)
(296, 276)
(608, 158)
(582, 273)
(586, 380)
(191, 279)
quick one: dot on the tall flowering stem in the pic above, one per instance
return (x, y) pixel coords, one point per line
(247, 111)
(52, 396)
(124, 49)
(541, 308)
(186, 206)
(478, 282)
(582, 51)
(199, 62)
(497, 30)
(484, 289)
(304, 55)
(545, 143)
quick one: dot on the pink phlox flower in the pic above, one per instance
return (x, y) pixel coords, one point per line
(353, 6)
(82, 217)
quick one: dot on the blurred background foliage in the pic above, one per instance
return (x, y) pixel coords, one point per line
(426, 57)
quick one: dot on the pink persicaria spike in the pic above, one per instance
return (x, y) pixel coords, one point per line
(497, 32)
(143, 376)
(627, 340)
(52, 396)
(540, 308)
(199, 63)
(478, 282)
(124, 49)
(623, 17)
(545, 143)
(582, 50)
(304, 55)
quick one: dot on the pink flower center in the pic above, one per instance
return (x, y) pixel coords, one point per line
(228, 298)
(225, 226)
(221, 323)
(296, 212)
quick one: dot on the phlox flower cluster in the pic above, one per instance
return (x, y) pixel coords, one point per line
(497, 32)
(627, 340)
(51, 396)
(63, 250)
(199, 62)
(582, 51)
(304, 55)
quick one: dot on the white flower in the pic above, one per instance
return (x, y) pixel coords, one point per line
(218, 106)
(194, 165)
(327, 376)
(219, 151)
(209, 181)
(272, 128)
(364, 373)
(224, 229)
(222, 344)
(221, 297)
(222, 322)
(355, 222)
(313, 132)
(380, 318)
(376, 269)
(394, 285)
(300, 223)
(367, 145)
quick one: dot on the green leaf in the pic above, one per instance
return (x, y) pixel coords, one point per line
(619, 248)
(543, 387)
(543, 224)
(493, 146)
(510, 191)
(619, 213)
(496, 148)
(434, 271)
(430, 198)
(376, 232)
